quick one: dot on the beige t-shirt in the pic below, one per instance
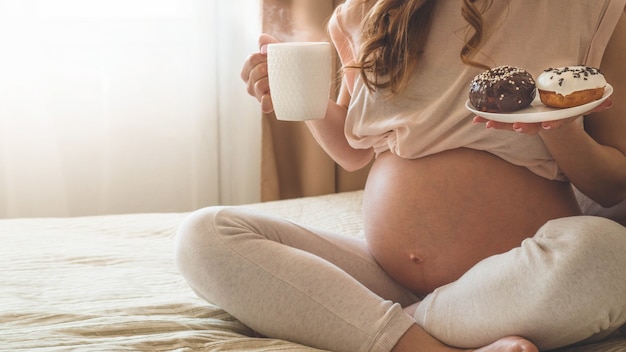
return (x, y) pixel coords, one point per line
(430, 116)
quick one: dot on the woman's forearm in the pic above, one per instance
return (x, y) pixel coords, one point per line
(597, 170)
(329, 134)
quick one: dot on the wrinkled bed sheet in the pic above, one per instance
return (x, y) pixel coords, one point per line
(108, 283)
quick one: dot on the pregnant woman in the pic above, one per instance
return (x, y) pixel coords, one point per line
(474, 239)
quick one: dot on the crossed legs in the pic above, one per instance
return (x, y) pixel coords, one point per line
(324, 290)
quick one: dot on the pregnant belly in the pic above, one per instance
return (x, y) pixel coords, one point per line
(428, 220)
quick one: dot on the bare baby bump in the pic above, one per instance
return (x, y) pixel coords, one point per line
(428, 220)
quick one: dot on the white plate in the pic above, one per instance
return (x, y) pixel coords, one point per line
(537, 112)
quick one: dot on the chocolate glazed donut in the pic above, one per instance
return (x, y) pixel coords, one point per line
(502, 89)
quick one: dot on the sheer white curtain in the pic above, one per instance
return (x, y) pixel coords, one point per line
(118, 106)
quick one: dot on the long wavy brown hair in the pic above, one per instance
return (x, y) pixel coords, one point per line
(395, 34)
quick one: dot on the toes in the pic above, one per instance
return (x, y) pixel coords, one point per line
(510, 344)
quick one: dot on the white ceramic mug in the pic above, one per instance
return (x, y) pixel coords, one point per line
(299, 76)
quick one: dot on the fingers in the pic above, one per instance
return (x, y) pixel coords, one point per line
(607, 104)
(264, 40)
(521, 127)
(534, 128)
(266, 104)
(549, 125)
(499, 125)
(254, 73)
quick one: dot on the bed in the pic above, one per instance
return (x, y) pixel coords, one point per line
(108, 283)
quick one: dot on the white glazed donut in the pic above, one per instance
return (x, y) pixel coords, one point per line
(570, 86)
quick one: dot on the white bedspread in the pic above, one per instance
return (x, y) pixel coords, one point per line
(108, 283)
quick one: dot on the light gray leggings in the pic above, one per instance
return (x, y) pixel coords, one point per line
(565, 284)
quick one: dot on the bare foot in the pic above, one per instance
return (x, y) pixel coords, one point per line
(506, 344)
(510, 344)
(416, 339)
